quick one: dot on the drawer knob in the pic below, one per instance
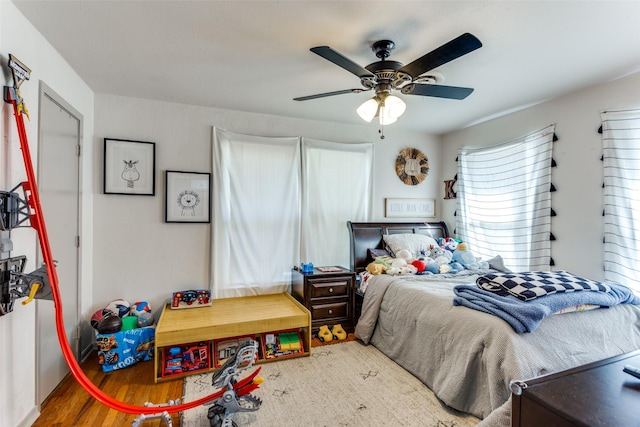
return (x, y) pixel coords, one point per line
(330, 290)
(330, 311)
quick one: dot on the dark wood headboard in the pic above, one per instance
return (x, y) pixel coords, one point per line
(366, 235)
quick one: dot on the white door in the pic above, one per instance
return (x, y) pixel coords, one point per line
(58, 185)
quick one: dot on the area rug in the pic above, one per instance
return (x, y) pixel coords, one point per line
(347, 384)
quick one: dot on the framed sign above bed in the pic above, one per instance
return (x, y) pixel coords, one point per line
(409, 208)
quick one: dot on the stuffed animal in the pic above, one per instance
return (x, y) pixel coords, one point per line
(456, 267)
(448, 243)
(463, 255)
(441, 256)
(376, 268)
(405, 255)
(420, 265)
(432, 266)
(467, 259)
(401, 269)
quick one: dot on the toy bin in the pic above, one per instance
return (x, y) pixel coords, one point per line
(185, 358)
(122, 349)
(282, 344)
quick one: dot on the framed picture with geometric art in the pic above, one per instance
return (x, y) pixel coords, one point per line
(187, 197)
(129, 167)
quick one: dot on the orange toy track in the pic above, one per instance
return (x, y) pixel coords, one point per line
(37, 222)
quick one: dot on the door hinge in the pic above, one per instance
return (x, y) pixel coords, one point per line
(77, 241)
(79, 150)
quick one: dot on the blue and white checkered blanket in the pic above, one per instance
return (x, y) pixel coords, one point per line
(525, 316)
(534, 284)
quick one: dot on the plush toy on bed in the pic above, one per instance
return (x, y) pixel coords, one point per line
(376, 268)
(467, 259)
(448, 243)
(400, 266)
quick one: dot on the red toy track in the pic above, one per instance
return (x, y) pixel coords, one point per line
(37, 222)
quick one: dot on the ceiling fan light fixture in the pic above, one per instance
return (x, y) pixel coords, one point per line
(385, 118)
(394, 106)
(367, 111)
(391, 107)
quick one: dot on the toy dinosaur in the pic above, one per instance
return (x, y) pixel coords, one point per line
(237, 397)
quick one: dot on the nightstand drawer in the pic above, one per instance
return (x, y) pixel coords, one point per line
(329, 311)
(334, 288)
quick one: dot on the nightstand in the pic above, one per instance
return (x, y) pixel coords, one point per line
(329, 296)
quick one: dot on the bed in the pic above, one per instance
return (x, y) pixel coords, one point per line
(465, 356)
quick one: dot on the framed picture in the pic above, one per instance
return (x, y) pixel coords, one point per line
(409, 208)
(187, 197)
(129, 167)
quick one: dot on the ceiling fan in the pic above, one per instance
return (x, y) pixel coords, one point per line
(386, 75)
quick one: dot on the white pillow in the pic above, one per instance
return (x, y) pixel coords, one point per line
(414, 243)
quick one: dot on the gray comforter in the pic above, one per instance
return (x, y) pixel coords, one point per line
(468, 357)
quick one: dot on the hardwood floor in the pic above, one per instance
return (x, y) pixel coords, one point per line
(70, 405)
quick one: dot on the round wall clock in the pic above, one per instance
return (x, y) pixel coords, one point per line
(412, 166)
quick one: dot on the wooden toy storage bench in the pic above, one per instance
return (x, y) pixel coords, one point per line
(254, 316)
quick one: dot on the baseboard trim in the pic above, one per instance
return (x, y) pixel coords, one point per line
(30, 418)
(86, 352)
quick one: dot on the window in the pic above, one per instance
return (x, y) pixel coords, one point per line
(336, 189)
(277, 202)
(621, 174)
(504, 200)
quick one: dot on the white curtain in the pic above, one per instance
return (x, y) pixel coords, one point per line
(621, 157)
(277, 202)
(255, 213)
(504, 200)
(336, 188)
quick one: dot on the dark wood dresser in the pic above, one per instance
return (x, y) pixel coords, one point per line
(596, 394)
(329, 296)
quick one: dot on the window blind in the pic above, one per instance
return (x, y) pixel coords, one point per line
(504, 200)
(621, 175)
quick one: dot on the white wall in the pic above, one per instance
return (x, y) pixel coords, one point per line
(137, 255)
(17, 329)
(578, 177)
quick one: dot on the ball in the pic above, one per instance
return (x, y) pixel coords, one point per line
(145, 319)
(99, 315)
(140, 307)
(110, 325)
(120, 307)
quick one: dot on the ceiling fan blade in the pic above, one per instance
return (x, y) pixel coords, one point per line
(322, 95)
(439, 91)
(341, 61)
(447, 52)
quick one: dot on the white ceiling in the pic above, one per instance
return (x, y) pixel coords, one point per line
(254, 55)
